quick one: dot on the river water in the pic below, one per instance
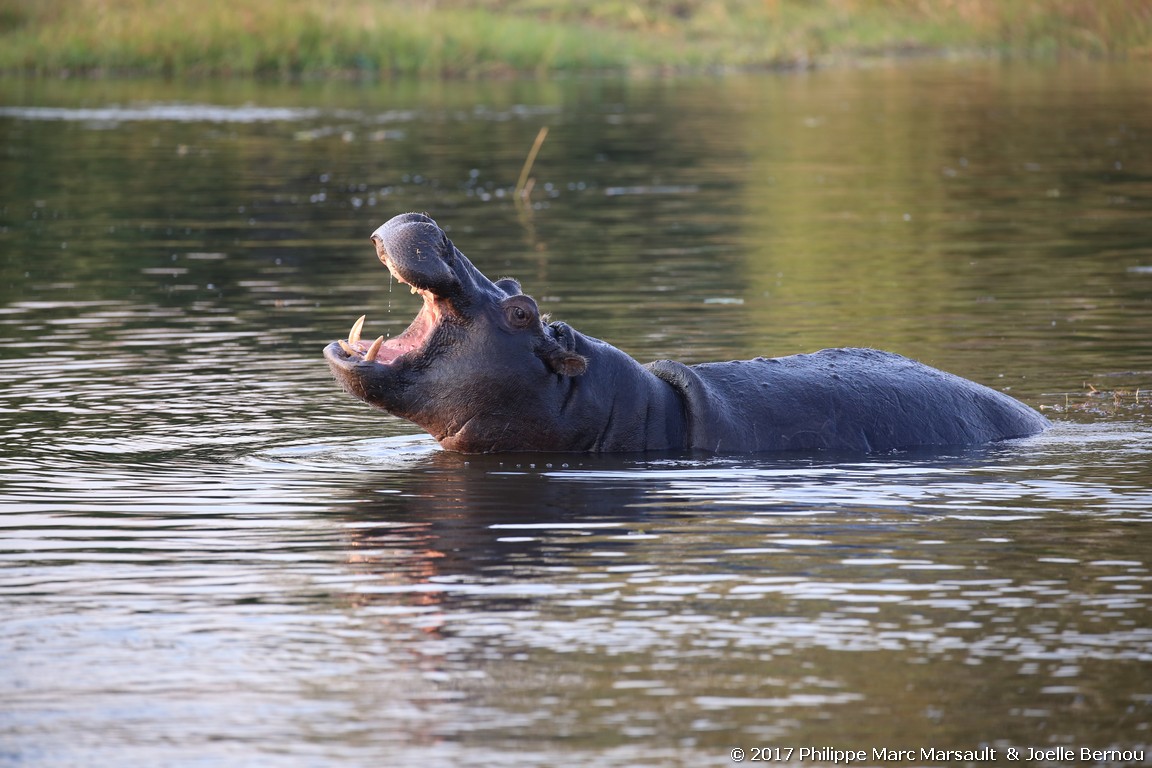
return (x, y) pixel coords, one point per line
(211, 556)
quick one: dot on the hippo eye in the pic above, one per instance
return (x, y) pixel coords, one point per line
(518, 315)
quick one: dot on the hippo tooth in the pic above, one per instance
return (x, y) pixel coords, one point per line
(414, 289)
(372, 350)
(354, 334)
(347, 347)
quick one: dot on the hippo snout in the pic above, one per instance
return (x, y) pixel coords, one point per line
(418, 253)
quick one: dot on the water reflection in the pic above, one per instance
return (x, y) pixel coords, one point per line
(749, 572)
(208, 550)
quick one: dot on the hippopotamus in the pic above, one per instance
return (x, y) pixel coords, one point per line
(481, 371)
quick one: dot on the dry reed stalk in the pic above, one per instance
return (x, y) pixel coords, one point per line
(523, 189)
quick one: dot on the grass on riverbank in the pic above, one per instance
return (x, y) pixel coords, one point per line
(292, 38)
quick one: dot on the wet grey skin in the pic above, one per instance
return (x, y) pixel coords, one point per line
(482, 372)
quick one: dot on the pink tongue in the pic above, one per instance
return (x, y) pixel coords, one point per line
(389, 351)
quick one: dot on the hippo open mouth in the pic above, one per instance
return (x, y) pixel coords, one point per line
(419, 257)
(387, 351)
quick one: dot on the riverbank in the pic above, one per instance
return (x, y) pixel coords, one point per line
(320, 38)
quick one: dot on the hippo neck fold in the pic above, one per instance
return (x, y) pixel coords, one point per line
(620, 405)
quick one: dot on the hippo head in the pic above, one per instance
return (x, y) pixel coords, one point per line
(473, 369)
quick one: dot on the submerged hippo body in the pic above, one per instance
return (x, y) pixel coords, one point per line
(481, 372)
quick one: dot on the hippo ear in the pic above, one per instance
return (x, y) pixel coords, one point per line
(509, 285)
(561, 361)
(558, 351)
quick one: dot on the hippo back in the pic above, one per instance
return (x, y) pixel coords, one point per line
(839, 399)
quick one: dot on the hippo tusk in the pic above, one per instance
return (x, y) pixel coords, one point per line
(370, 355)
(354, 334)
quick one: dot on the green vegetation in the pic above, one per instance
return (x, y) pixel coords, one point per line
(294, 38)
